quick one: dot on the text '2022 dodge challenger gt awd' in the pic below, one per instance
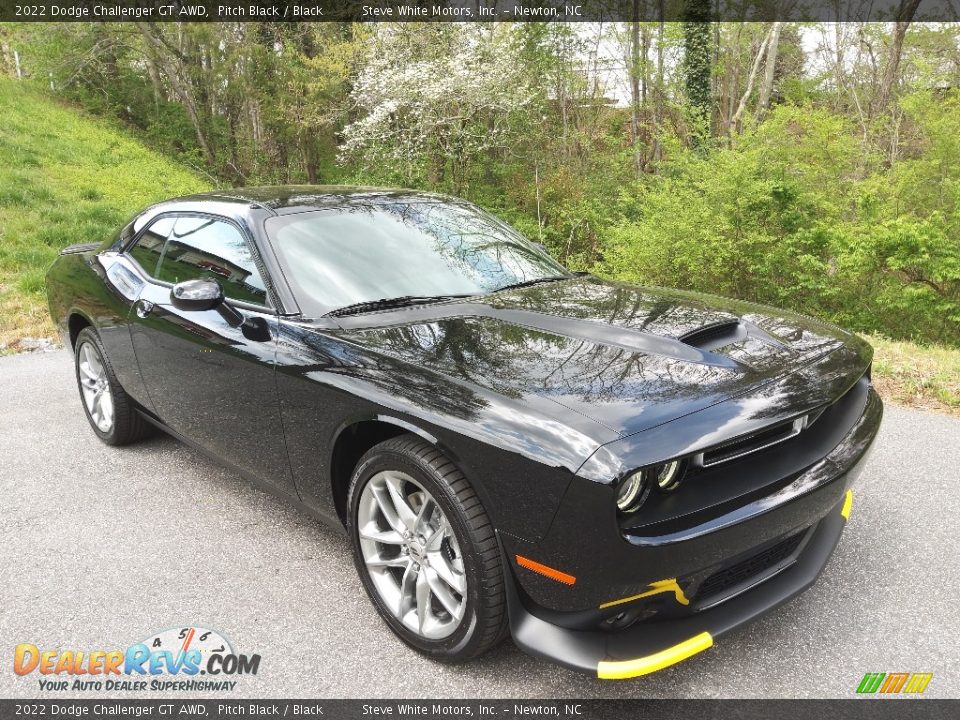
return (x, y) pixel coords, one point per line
(615, 475)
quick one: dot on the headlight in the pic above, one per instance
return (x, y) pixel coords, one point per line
(667, 476)
(632, 492)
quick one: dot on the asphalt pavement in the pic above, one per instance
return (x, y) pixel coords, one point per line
(103, 547)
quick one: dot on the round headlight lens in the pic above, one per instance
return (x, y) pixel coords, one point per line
(632, 492)
(667, 476)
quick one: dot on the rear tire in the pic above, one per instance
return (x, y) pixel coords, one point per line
(426, 551)
(110, 411)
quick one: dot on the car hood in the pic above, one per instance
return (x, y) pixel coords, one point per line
(626, 357)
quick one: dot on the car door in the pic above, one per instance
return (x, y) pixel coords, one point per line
(209, 380)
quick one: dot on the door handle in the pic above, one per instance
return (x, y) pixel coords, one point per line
(144, 308)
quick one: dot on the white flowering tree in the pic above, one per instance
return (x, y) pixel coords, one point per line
(432, 99)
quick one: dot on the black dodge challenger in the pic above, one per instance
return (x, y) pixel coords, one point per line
(615, 475)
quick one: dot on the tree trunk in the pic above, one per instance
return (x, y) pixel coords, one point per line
(770, 67)
(309, 159)
(908, 9)
(715, 80)
(696, 62)
(645, 75)
(635, 89)
(155, 83)
(838, 67)
(658, 92)
(734, 122)
(730, 87)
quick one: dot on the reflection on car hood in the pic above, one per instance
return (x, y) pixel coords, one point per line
(627, 357)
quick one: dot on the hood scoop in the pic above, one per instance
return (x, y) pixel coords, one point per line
(726, 333)
(715, 335)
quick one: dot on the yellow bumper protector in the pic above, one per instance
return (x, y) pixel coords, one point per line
(660, 586)
(847, 504)
(621, 670)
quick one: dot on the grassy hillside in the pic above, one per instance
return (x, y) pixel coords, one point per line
(64, 179)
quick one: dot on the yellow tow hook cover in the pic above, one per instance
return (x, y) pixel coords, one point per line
(623, 669)
(847, 505)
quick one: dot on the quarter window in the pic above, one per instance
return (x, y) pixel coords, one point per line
(150, 245)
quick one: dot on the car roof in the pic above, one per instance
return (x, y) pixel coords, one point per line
(284, 199)
(239, 203)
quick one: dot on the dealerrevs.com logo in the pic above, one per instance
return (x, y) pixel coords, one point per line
(190, 659)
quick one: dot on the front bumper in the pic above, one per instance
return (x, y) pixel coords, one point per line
(647, 647)
(802, 522)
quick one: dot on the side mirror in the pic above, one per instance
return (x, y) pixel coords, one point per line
(206, 294)
(195, 295)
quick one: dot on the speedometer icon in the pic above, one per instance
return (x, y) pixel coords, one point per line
(179, 641)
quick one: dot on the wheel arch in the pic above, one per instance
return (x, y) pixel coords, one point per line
(76, 322)
(354, 439)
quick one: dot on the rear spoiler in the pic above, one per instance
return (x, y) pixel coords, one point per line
(81, 248)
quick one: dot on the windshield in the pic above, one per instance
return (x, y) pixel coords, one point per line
(344, 256)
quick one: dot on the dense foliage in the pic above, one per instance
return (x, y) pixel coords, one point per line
(811, 167)
(789, 216)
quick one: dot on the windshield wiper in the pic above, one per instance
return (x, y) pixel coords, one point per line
(537, 281)
(396, 302)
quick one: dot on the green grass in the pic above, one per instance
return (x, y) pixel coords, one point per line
(64, 179)
(922, 376)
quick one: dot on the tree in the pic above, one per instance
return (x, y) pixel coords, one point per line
(770, 66)
(697, 65)
(905, 13)
(434, 98)
(173, 61)
(313, 96)
(635, 72)
(735, 120)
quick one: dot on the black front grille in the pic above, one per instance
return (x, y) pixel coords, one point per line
(753, 566)
(750, 444)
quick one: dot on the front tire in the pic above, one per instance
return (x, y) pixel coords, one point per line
(426, 550)
(109, 409)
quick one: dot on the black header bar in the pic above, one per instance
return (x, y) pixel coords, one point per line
(467, 10)
(181, 709)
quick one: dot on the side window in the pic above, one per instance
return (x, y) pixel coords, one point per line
(150, 245)
(199, 247)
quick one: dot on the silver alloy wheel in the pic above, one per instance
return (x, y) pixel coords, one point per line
(412, 554)
(95, 387)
